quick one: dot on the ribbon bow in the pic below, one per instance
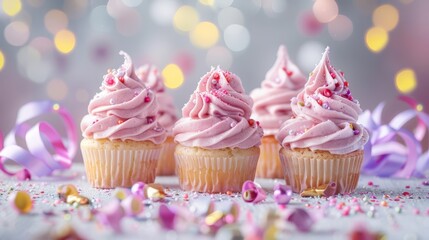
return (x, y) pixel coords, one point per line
(44, 150)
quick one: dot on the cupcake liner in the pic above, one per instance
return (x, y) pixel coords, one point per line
(269, 165)
(166, 162)
(213, 174)
(110, 168)
(304, 170)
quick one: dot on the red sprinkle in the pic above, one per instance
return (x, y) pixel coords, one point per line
(346, 84)
(327, 93)
(370, 183)
(121, 79)
(407, 186)
(110, 81)
(342, 73)
(251, 122)
(289, 73)
(333, 75)
(207, 99)
(406, 194)
(147, 99)
(319, 102)
(216, 76)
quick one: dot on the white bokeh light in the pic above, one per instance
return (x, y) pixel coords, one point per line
(236, 37)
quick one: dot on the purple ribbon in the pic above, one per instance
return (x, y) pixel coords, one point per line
(393, 150)
(44, 150)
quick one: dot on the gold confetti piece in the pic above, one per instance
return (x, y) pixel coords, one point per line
(77, 200)
(21, 202)
(214, 217)
(154, 192)
(64, 191)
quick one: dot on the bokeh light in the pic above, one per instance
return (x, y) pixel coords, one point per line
(386, 16)
(2, 60)
(186, 18)
(43, 45)
(325, 10)
(31, 65)
(236, 37)
(11, 7)
(223, 3)
(162, 11)
(229, 16)
(82, 95)
(204, 35)
(185, 60)
(132, 3)
(405, 80)
(340, 28)
(100, 20)
(308, 24)
(17, 33)
(173, 76)
(65, 41)
(116, 8)
(219, 55)
(74, 8)
(309, 55)
(207, 2)
(129, 24)
(376, 39)
(57, 89)
(55, 20)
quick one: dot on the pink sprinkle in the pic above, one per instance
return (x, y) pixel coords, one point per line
(346, 211)
(185, 196)
(370, 183)
(207, 99)
(147, 99)
(333, 75)
(406, 194)
(354, 200)
(281, 206)
(416, 211)
(358, 209)
(340, 206)
(407, 186)
(110, 81)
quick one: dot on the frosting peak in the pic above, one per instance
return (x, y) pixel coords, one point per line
(124, 109)
(272, 101)
(218, 115)
(151, 77)
(326, 114)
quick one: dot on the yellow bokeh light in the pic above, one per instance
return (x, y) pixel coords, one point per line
(186, 18)
(405, 80)
(376, 39)
(65, 41)
(173, 76)
(2, 60)
(11, 7)
(204, 35)
(207, 2)
(385, 16)
(419, 107)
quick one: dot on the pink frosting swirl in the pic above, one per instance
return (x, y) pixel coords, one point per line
(124, 109)
(150, 76)
(218, 115)
(272, 101)
(326, 114)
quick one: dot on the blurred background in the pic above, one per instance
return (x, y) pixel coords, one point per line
(60, 50)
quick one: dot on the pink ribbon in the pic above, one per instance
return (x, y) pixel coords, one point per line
(44, 150)
(393, 150)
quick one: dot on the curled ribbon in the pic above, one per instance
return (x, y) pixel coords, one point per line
(393, 150)
(45, 150)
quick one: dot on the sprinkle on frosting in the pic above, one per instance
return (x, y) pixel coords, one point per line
(218, 115)
(272, 101)
(327, 121)
(120, 110)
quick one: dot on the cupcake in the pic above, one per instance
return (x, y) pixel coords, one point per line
(166, 117)
(272, 107)
(218, 143)
(323, 143)
(122, 137)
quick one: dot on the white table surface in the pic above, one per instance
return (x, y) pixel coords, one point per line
(411, 223)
